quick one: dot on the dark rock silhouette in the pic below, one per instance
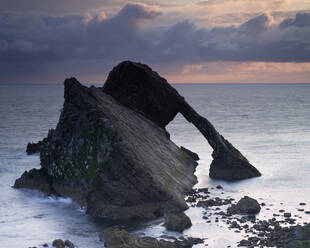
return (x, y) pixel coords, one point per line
(111, 153)
(136, 86)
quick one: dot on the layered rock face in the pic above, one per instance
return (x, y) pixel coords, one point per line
(138, 87)
(111, 159)
(111, 153)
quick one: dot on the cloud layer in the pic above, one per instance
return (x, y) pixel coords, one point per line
(38, 45)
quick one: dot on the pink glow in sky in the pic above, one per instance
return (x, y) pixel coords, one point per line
(211, 41)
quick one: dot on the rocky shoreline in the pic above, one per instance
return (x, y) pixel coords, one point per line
(283, 230)
(241, 217)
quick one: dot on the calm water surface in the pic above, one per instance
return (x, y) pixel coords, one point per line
(268, 123)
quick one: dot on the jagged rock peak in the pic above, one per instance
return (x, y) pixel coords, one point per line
(78, 94)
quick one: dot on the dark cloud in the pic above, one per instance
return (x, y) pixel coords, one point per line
(40, 45)
(215, 2)
(55, 6)
(301, 20)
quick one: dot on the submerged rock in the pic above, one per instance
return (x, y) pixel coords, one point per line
(177, 221)
(246, 205)
(136, 86)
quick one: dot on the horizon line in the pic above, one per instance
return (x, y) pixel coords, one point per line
(96, 84)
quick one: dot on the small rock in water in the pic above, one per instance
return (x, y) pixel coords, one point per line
(177, 221)
(187, 242)
(246, 205)
(59, 243)
(287, 215)
(203, 190)
(69, 244)
(219, 187)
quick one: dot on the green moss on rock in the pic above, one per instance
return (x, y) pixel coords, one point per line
(85, 147)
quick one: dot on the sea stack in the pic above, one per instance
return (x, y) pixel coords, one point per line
(138, 87)
(110, 151)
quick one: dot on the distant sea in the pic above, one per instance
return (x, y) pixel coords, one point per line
(269, 124)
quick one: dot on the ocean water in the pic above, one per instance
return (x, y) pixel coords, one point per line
(269, 124)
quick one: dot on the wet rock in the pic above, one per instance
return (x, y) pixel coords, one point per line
(69, 244)
(287, 215)
(219, 187)
(59, 243)
(36, 179)
(268, 233)
(115, 238)
(188, 243)
(177, 221)
(191, 199)
(33, 148)
(214, 202)
(246, 205)
(203, 190)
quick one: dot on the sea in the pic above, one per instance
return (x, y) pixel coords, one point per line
(268, 123)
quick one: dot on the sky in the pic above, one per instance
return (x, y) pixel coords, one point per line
(186, 41)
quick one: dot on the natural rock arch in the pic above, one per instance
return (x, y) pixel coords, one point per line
(137, 86)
